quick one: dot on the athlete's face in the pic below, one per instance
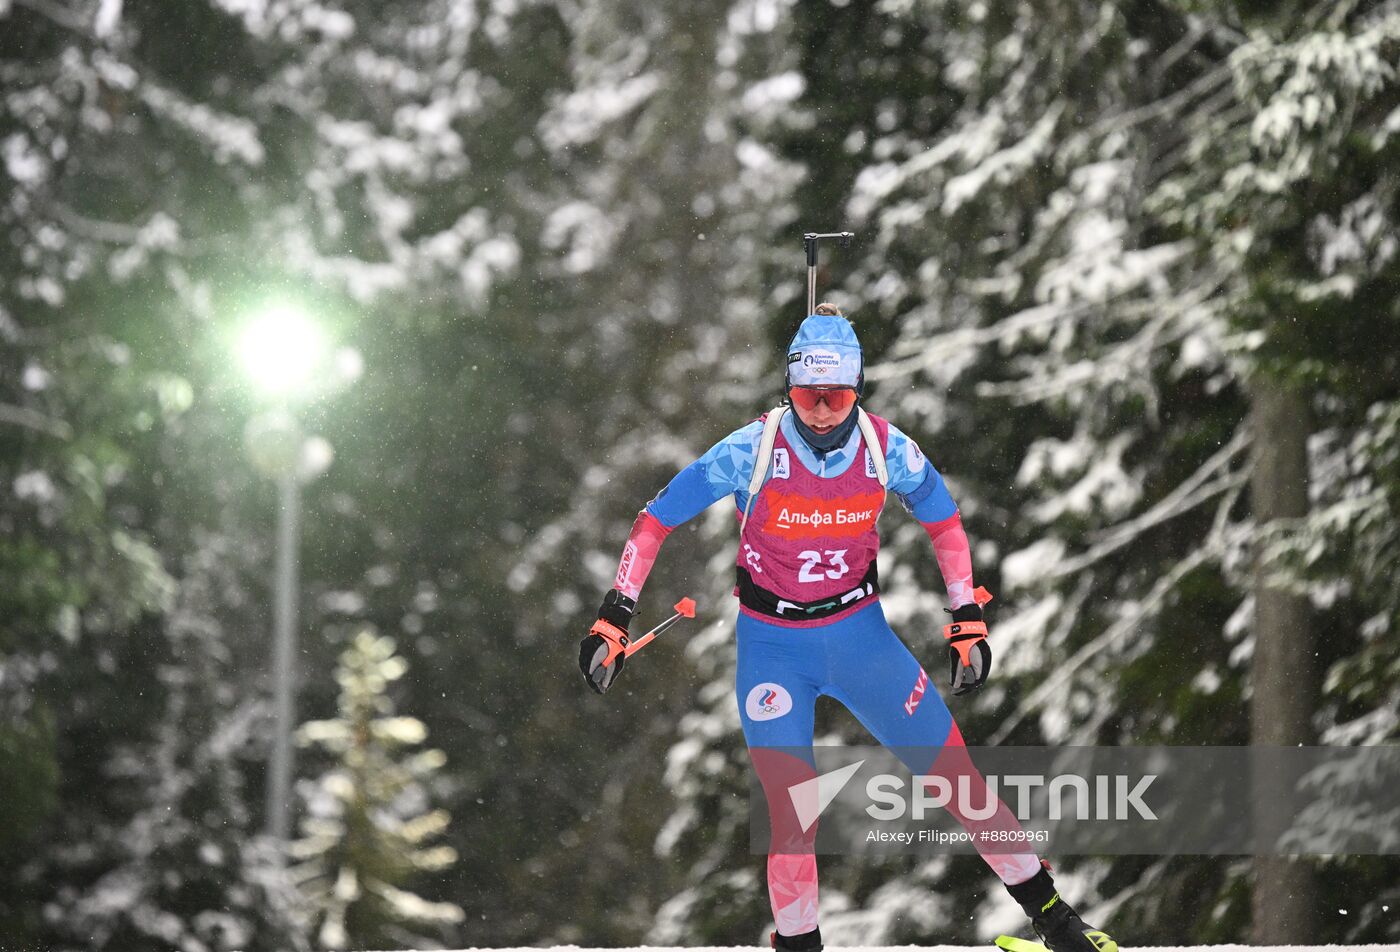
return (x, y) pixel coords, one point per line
(820, 417)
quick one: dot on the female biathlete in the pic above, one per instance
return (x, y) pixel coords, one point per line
(810, 621)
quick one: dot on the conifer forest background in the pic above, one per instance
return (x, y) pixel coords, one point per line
(1128, 270)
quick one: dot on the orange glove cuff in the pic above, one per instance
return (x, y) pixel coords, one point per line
(613, 635)
(963, 635)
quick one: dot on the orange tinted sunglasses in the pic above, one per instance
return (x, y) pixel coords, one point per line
(836, 398)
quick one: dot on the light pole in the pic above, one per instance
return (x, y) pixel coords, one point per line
(289, 362)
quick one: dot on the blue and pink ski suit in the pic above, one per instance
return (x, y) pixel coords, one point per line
(810, 621)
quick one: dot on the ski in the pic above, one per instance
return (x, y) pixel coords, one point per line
(1009, 943)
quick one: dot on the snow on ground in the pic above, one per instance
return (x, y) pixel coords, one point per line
(1392, 947)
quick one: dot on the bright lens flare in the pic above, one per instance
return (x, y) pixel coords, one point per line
(281, 350)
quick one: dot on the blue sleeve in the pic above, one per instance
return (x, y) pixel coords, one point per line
(725, 468)
(913, 478)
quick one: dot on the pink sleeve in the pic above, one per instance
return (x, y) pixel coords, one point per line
(639, 554)
(954, 558)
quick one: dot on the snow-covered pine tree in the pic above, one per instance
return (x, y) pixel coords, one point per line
(1290, 187)
(670, 212)
(167, 168)
(170, 855)
(127, 161)
(369, 826)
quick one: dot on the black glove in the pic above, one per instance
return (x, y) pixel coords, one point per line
(969, 656)
(600, 656)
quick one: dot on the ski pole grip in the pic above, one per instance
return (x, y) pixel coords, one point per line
(636, 646)
(685, 608)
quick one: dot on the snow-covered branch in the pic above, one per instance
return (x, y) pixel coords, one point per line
(33, 420)
(1196, 490)
(1057, 680)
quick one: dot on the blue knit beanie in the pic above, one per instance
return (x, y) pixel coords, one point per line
(824, 353)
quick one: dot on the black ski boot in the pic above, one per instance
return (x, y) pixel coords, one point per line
(806, 942)
(1055, 921)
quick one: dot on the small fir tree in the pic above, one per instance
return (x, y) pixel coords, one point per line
(368, 823)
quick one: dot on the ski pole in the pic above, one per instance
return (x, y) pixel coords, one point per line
(685, 608)
(810, 239)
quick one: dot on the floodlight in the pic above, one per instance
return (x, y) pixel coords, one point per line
(282, 350)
